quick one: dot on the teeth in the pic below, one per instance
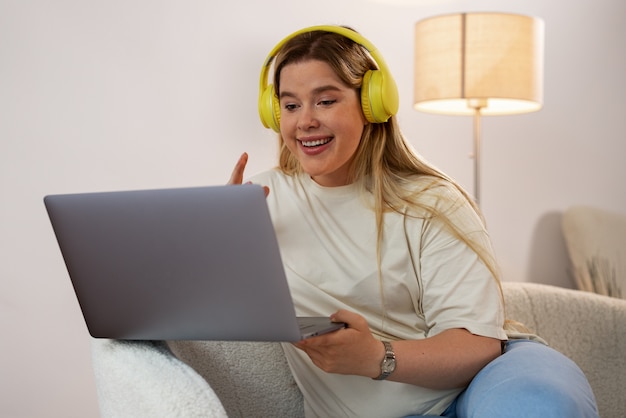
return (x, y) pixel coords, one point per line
(316, 143)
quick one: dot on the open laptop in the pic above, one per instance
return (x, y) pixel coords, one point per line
(198, 263)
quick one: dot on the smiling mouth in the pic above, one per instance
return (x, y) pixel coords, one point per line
(315, 143)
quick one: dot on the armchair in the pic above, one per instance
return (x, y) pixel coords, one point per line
(248, 379)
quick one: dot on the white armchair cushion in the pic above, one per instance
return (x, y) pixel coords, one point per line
(143, 379)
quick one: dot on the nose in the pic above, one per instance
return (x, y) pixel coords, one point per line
(307, 118)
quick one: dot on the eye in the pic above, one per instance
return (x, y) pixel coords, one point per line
(290, 106)
(328, 102)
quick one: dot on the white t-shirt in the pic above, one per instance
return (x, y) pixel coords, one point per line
(431, 282)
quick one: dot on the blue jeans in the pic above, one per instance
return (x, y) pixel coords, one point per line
(528, 380)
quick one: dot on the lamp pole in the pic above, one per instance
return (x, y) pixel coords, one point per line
(477, 105)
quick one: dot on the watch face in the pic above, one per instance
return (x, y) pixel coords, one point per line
(389, 365)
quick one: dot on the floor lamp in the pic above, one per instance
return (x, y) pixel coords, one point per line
(478, 64)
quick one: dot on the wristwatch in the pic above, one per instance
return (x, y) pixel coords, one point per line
(388, 364)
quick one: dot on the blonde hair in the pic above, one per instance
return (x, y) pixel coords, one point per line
(385, 163)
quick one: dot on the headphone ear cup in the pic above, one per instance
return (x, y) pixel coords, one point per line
(269, 109)
(379, 97)
(366, 105)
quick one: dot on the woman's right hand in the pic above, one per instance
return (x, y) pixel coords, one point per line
(236, 176)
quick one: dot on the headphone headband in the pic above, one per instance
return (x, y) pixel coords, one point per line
(379, 93)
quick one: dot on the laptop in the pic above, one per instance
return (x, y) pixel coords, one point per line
(198, 263)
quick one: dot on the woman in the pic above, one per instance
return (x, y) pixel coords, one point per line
(377, 238)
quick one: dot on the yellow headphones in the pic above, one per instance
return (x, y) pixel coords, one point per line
(379, 93)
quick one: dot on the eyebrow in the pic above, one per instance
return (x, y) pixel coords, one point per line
(316, 90)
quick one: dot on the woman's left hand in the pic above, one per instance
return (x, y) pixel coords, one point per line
(352, 350)
(449, 359)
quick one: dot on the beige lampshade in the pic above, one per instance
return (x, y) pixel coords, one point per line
(489, 60)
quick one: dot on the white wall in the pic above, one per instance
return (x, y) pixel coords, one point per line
(143, 94)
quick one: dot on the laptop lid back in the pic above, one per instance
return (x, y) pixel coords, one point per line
(197, 263)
